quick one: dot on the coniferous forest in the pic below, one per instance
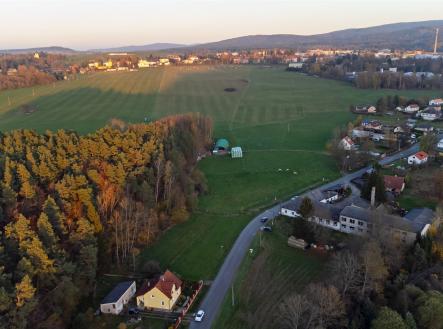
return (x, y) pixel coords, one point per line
(69, 204)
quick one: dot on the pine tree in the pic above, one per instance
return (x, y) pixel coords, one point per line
(24, 291)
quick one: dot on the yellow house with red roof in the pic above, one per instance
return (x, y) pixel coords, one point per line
(161, 293)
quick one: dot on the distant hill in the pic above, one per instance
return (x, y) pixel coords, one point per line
(49, 50)
(149, 47)
(414, 35)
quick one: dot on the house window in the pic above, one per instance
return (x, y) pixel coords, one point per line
(360, 223)
(328, 221)
(163, 303)
(344, 226)
(113, 306)
(352, 221)
(360, 230)
(352, 228)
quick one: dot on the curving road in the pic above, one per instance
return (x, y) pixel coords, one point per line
(214, 298)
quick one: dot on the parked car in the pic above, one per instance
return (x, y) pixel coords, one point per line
(133, 310)
(266, 228)
(264, 219)
(199, 316)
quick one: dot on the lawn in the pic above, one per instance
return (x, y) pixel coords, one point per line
(265, 278)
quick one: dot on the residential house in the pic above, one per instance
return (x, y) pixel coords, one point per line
(161, 293)
(325, 215)
(372, 125)
(356, 220)
(366, 109)
(430, 114)
(114, 302)
(418, 158)
(436, 102)
(291, 208)
(11, 72)
(142, 63)
(347, 144)
(164, 61)
(394, 184)
(424, 128)
(412, 108)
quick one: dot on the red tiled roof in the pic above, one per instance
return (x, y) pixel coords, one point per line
(349, 141)
(164, 283)
(421, 155)
(394, 183)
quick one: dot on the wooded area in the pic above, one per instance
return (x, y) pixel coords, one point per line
(71, 205)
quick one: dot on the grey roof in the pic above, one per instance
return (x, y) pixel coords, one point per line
(394, 221)
(356, 213)
(117, 292)
(325, 211)
(421, 216)
(293, 204)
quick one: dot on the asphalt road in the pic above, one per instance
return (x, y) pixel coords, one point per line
(215, 296)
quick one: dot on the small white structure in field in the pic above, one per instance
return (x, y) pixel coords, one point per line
(114, 302)
(236, 152)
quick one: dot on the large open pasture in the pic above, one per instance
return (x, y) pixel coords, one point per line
(282, 120)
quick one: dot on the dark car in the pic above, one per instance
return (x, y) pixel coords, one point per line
(264, 219)
(133, 310)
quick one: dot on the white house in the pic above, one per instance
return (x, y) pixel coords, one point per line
(347, 144)
(142, 63)
(114, 302)
(412, 108)
(290, 209)
(440, 144)
(430, 114)
(418, 158)
(295, 65)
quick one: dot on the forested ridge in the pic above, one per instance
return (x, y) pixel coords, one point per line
(70, 204)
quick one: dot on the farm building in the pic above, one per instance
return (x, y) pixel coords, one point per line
(236, 152)
(119, 296)
(221, 146)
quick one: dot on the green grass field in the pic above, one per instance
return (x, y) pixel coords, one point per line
(282, 120)
(265, 278)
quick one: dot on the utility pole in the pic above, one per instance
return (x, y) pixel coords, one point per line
(232, 293)
(436, 40)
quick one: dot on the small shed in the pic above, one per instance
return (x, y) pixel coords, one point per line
(236, 152)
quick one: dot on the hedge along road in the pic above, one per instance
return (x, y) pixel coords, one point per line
(213, 300)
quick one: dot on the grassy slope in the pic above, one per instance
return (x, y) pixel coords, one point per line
(281, 119)
(266, 278)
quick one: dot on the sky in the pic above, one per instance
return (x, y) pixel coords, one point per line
(86, 24)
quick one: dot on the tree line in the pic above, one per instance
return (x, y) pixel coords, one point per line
(72, 205)
(26, 76)
(369, 74)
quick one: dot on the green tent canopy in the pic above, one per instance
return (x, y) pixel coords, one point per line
(222, 144)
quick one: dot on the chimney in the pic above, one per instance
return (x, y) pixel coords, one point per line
(436, 41)
(373, 197)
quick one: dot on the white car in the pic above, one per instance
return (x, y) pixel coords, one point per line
(199, 316)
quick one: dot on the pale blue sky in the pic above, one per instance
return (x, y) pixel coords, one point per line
(84, 24)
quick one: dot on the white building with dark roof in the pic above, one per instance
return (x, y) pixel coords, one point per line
(114, 302)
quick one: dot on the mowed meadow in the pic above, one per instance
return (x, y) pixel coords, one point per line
(282, 120)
